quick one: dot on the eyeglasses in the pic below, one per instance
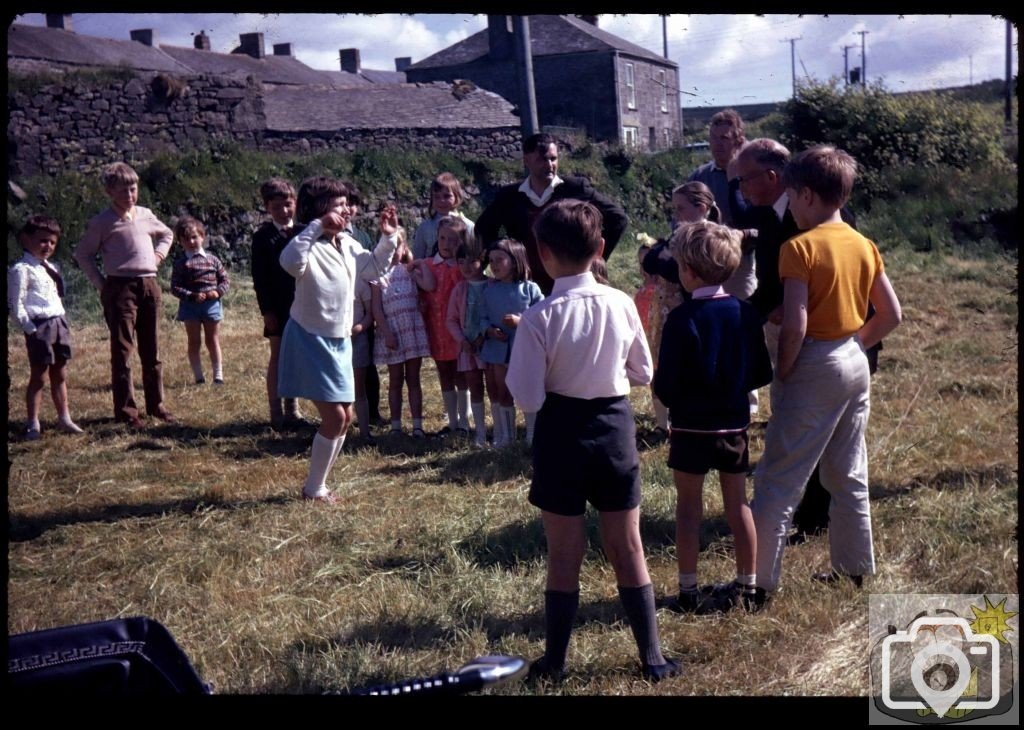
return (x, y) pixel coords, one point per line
(747, 178)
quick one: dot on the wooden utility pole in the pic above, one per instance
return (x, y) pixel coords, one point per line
(792, 58)
(846, 65)
(524, 58)
(863, 58)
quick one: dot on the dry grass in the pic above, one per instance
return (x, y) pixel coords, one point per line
(436, 557)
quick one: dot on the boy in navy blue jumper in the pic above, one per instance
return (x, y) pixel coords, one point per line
(712, 354)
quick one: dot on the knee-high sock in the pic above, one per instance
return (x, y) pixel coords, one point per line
(320, 460)
(478, 420)
(559, 614)
(498, 419)
(450, 407)
(338, 443)
(509, 414)
(462, 396)
(639, 605)
(531, 421)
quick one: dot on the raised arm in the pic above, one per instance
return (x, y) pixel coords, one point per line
(295, 255)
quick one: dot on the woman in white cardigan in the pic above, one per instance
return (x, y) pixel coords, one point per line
(316, 349)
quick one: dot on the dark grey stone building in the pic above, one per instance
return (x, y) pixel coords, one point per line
(584, 77)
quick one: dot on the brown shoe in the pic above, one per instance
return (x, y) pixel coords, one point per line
(165, 415)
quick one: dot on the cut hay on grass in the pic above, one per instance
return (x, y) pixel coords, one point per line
(434, 555)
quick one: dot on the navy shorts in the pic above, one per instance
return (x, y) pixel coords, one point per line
(585, 451)
(50, 343)
(698, 453)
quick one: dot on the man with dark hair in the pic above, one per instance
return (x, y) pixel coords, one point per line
(516, 207)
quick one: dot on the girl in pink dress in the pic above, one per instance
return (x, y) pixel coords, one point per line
(452, 232)
(463, 321)
(401, 341)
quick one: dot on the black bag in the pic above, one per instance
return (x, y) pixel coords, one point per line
(124, 657)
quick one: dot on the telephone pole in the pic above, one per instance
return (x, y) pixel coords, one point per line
(863, 58)
(846, 65)
(792, 58)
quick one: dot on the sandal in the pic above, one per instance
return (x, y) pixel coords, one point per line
(419, 433)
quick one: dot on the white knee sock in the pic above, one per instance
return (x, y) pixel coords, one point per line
(218, 368)
(321, 458)
(462, 396)
(479, 422)
(338, 443)
(197, 369)
(448, 396)
(531, 421)
(509, 414)
(498, 419)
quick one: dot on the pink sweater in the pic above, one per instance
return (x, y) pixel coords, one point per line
(124, 244)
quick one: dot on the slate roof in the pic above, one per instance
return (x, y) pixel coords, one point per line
(383, 77)
(269, 69)
(64, 46)
(549, 35)
(400, 106)
(345, 80)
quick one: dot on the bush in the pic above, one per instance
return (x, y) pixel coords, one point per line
(884, 131)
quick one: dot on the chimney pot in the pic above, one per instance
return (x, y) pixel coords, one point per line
(403, 63)
(202, 41)
(282, 49)
(251, 44)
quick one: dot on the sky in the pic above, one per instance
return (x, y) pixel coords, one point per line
(723, 59)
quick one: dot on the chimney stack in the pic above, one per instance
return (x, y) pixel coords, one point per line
(282, 49)
(403, 63)
(145, 36)
(349, 60)
(499, 36)
(58, 20)
(202, 41)
(251, 44)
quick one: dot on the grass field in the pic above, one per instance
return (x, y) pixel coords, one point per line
(435, 556)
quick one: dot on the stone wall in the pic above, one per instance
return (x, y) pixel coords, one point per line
(82, 124)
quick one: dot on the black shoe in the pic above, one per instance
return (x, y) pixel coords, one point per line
(736, 595)
(696, 602)
(834, 576)
(540, 669)
(657, 672)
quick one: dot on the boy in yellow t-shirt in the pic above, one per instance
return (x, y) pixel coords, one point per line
(820, 402)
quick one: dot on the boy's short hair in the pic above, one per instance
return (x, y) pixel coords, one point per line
(315, 196)
(728, 118)
(40, 223)
(187, 223)
(276, 187)
(712, 251)
(599, 268)
(825, 170)
(448, 181)
(570, 229)
(538, 141)
(766, 152)
(118, 174)
(517, 252)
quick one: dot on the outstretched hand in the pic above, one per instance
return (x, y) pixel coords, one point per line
(389, 220)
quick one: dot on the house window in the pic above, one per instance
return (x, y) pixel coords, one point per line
(631, 136)
(664, 91)
(630, 86)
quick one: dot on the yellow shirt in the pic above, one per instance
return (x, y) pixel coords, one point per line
(839, 267)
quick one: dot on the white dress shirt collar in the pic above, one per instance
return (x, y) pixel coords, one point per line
(539, 200)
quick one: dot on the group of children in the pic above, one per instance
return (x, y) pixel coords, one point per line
(568, 361)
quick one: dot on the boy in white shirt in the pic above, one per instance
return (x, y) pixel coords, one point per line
(575, 356)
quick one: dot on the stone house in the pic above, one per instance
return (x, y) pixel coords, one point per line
(584, 77)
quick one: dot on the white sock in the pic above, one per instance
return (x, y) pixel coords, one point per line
(747, 581)
(338, 443)
(321, 458)
(448, 396)
(218, 369)
(687, 582)
(531, 422)
(363, 415)
(462, 396)
(32, 425)
(509, 414)
(498, 419)
(479, 421)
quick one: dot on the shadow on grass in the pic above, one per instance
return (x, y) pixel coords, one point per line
(21, 529)
(947, 479)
